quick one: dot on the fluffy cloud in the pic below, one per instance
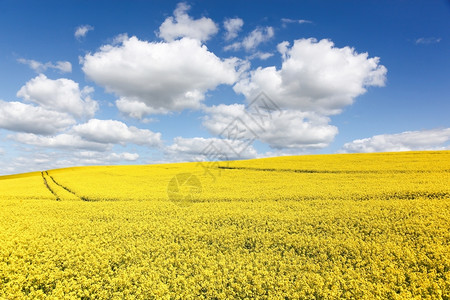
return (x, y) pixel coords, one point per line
(62, 95)
(116, 132)
(95, 135)
(38, 67)
(207, 149)
(163, 76)
(82, 30)
(20, 117)
(283, 129)
(434, 139)
(232, 28)
(315, 76)
(257, 36)
(182, 25)
(253, 40)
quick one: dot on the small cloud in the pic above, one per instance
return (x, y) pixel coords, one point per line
(253, 40)
(261, 55)
(100, 157)
(232, 27)
(235, 46)
(182, 25)
(82, 30)
(427, 41)
(286, 21)
(38, 67)
(257, 36)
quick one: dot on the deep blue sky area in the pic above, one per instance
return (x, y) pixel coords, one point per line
(137, 82)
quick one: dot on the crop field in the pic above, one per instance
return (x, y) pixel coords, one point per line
(352, 226)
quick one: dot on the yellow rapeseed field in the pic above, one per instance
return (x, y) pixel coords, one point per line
(352, 226)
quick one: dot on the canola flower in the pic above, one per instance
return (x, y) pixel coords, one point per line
(358, 226)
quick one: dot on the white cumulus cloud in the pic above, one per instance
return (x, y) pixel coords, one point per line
(95, 135)
(38, 67)
(116, 132)
(20, 117)
(257, 36)
(315, 76)
(232, 28)
(433, 139)
(164, 76)
(62, 95)
(283, 129)
(182, 25)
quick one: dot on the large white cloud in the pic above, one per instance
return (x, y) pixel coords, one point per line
(116, 132)
(63, 95)
(280, 129)
(182, 25)
(434, 139)
(315, 76)
(95, 135)
(163, 76)
(20, 117)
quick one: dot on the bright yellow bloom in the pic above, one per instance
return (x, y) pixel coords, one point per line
(360, 226)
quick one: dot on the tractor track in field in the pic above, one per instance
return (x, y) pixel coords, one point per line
(49, 188)
(63, 189)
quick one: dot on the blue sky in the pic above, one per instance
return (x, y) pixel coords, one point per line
(137, 82)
